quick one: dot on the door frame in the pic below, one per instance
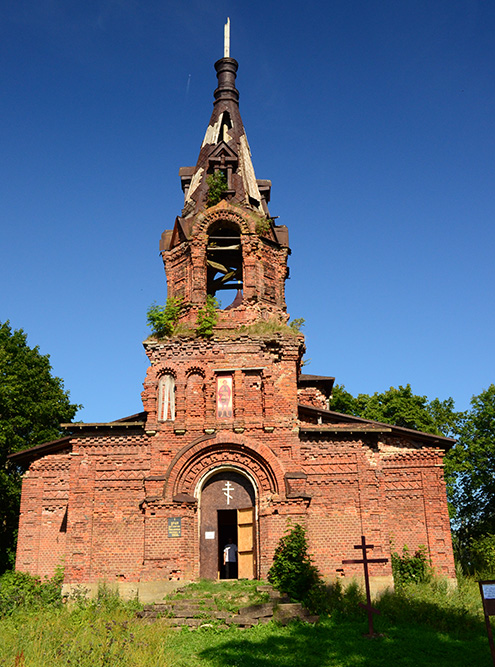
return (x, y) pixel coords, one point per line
(197, 493)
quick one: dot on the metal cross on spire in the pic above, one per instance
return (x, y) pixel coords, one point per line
(226, 39)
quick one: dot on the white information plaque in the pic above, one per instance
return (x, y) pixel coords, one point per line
(489, 591)
(209, 535)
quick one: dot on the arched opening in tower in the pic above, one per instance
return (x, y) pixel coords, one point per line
(224, 263)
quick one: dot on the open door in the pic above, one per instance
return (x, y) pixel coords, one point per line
(245, 543)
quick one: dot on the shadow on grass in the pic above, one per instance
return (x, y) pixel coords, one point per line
(435, 608)
(341, 643)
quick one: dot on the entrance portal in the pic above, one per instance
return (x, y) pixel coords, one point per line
(227, 512)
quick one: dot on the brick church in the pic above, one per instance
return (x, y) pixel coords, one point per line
(234, 441)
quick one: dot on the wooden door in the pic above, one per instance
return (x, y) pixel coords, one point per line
(245, 543)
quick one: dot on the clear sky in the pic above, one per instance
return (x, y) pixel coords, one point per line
(374, 119)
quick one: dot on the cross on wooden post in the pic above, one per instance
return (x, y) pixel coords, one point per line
(365, 560)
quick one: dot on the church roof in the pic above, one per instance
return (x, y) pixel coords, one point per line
(56, 446)
(328, 421)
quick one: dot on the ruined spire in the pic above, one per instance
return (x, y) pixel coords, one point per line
(224, 149)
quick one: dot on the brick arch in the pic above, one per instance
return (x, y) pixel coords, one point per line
(209, 452)
(223, 214)
(166, 370)
(195, 370)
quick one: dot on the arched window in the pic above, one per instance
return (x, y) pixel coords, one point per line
(166, 398)
(224, 262)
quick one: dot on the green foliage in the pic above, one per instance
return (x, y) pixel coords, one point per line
(408, 568)
(217, 184)
(163, 319)
(33, 403)
(470, 477)
(297, 324)
(292, 571)
(262, 226)
(482, 555)
(399, 407)
(266, 328)
(470, 467)
(342, 401)
(437, 605)
(475, 555)
(421, 625)
(19, 589)
(207, 317)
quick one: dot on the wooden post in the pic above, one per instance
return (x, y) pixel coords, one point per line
(365, 560)
(487, 591)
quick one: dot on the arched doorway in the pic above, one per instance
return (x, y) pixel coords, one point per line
(227, 506)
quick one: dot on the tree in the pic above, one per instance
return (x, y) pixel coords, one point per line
(470, 468)
(33, 403)
(399, 407)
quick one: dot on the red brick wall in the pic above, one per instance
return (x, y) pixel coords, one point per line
(42, 525)
(120, 485)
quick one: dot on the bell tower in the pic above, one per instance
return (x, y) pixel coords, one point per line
(225, 242)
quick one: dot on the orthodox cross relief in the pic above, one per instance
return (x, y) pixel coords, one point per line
(227, 491)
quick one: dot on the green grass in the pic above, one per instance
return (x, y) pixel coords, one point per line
(225, 596)
(427, 625)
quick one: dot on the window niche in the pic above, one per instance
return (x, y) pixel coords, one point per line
(224, 263)
(166, 398)
(195, 395)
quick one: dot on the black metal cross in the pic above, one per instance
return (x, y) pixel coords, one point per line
(365, 560)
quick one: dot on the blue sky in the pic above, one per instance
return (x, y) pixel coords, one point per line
(374, 119)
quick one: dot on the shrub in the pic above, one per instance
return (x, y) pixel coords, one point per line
(19, 589)
(217, 184)
(163, 319)
(293, 572)
(409, 567)
(207, 317)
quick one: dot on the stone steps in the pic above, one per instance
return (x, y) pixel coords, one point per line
(196, 613)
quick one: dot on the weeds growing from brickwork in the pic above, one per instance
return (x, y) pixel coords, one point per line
(207, 317)
(217, 184)
(163, 319)
(422, 625)
(266, 328)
